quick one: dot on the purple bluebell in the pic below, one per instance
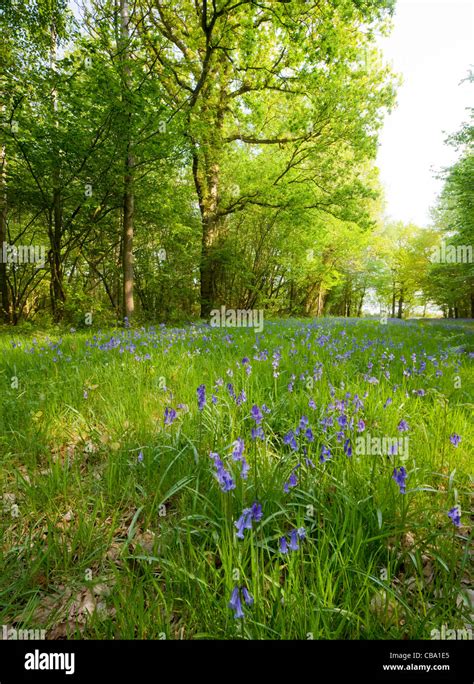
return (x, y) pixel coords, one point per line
(292, 482)
(236, 604)
(325, 454)
(400, 476)
(201, 395)
(258, 432)
(455, 439)
(256, 414)
(403, 426)
(289, 439)
(170, 415)
(247, 597)
(283, 545)
(455, 516)
(238, 449)
(294, 541)
(348, 448)
(254, 513)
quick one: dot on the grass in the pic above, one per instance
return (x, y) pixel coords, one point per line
(114, 525)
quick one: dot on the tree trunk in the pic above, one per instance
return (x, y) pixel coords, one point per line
(393, 301)
(400, 305)
(128, 194)
(58, 295)
(4, 298)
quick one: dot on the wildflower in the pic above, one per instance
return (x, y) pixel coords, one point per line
(170, 415)
(236, 604)
(283, 545)
(388, 402)
(201, 394)
(254, 513)
(301, 532)
(361, 425)
(256, 414)
(400, 476)
(241, 398)
(258, 432)
(247, 597)
(342, 420)
(348, 448)
(265, 408)
(294, 540)
(238, 450)
(244, 522)
(289, 439)
(325, 454)
(455, 439)
(140, 456)
(312, 404)
(222, 475)
(292, 482)
(403, 426)
(455, 515)
(302, 425)
(309, 435)
(257, 512)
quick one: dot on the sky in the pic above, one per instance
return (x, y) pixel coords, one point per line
(432, 47)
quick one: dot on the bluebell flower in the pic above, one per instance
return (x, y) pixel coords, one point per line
(238, 449)
(283, 545)
(249, 515)
(257, 512)
(256, 414)
(140, 456)
(309, 435)
(348, 448)
(222, 475)
(236, 604)
(241, 398)
(258, 432)
(455, 516)
(289, 439)
(244, 522)
(170, 415)
(403, 426)
(325, 454)
(201, 395)
(293, 541)
(400, 476)
(292, 482)
(247, 597)
(360, 425)
(342, 420)
(455, 439)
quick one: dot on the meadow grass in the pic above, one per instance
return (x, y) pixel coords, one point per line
(114, 524)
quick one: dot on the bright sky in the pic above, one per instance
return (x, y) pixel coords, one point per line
(432, 46)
